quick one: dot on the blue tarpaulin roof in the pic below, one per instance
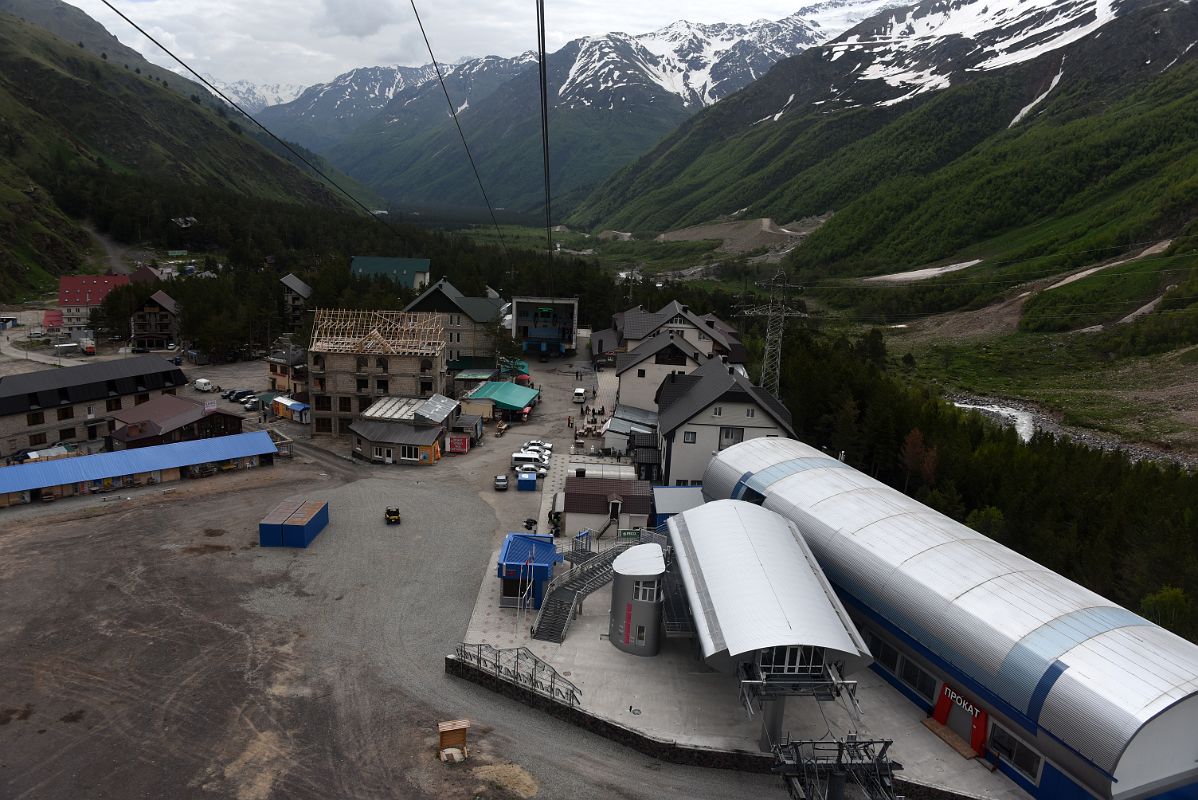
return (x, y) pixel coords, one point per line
(519, 548)
(81, 469)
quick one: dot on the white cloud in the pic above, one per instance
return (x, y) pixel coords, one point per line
(309, 41)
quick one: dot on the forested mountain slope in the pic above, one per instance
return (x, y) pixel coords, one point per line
(64, 108)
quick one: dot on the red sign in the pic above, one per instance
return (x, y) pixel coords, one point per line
(950, 697)
(627, 622)
(459, 443)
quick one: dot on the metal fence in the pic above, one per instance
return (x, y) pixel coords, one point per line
(520, 666)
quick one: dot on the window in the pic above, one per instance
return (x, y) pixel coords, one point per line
(689, 437)
(378, 453)
(324, 425)
(36, 439)
(1015, 752)
(361, 363)
(91, 411)
(882, 651)
(112, 404)
(141, 398)
(645, 591)
(66, 413)
(918, 679)
(343, 426)
(364, 403)
(791, 660)
(409, 452)
(426, 366)
(718, 411)
(36, 418)
(363, 384)
(681, 483)
(381, 386)
(66, 434)
(381, 363)
(731, 436)
(640, 635)
(703, 337)
(750, 412)
(324, 402)
(345, 405)
(640, 373)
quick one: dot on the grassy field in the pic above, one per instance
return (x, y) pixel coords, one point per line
(647, 255)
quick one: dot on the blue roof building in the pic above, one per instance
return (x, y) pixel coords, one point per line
(107, 467)
(526, 563)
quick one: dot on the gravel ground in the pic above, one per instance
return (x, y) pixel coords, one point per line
(153, 650)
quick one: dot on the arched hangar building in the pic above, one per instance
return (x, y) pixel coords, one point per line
(1071, 695)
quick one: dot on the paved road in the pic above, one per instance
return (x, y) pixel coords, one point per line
(11, 350)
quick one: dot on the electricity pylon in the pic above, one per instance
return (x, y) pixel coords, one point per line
(777, 310)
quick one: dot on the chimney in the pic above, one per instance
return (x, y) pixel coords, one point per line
(686, 309)
(731, 371)
(711, 323)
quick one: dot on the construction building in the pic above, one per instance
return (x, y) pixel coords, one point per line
(357, 357)
(1068, 694)
(469, 322)
(76, 404)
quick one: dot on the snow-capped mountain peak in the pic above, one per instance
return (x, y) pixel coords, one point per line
(907, 50)
(254, 97)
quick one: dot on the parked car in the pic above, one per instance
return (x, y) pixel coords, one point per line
(391, 515)
(203, 385)
(538, 442)
(251, 403)
(141, 349)
(524, 457)
(539, 470)
(240, 395)
(580, 395)
(227, 394)
(501, 483)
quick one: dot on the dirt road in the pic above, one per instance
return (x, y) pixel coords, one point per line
(153, 650)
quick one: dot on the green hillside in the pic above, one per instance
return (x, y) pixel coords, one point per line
(1109, 158)
(65, 109)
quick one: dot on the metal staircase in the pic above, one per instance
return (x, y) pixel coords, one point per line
(565, 592)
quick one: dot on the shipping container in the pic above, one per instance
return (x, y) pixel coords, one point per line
(526, 482)
(305, 524)
(270, 529)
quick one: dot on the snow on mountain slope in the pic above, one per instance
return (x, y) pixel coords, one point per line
(359, 93)
(921, 48)
(254, 97)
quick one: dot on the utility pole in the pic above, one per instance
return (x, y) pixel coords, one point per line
(777, 310)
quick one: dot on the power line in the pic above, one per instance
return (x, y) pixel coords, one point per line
(544, 72)
(266, 130)
(454, 112)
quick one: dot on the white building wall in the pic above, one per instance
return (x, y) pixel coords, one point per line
(1163, 749)
(688, 461)
(639, 392)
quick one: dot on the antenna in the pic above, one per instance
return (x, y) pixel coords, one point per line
(776, 310)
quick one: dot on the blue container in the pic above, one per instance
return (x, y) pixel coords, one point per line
(305, 524)
(270, 529)
(526, 482)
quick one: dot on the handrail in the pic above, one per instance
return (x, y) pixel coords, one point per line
(521, 666)
(565, 577)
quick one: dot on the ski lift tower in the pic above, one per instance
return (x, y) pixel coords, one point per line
(777, 310)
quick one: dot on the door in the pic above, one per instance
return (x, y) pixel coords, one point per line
(960, 721)
(388, 456)
(92, 433)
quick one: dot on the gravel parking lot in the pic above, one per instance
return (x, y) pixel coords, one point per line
(153, 650)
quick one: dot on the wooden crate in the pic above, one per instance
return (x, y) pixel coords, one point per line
(452, 734)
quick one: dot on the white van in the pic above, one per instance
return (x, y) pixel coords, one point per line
(203, 385)
(523, 457)
(580, 396)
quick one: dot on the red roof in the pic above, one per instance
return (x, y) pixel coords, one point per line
(87, 290)
(51, 318)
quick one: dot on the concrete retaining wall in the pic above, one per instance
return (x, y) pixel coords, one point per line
(668, 751)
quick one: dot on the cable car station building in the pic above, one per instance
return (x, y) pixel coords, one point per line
(1068, 694)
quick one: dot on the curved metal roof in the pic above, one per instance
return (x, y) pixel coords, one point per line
(1065, 659)
(643, 559)
(753, 583)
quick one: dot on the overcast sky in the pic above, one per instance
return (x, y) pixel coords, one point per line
(311, 41)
